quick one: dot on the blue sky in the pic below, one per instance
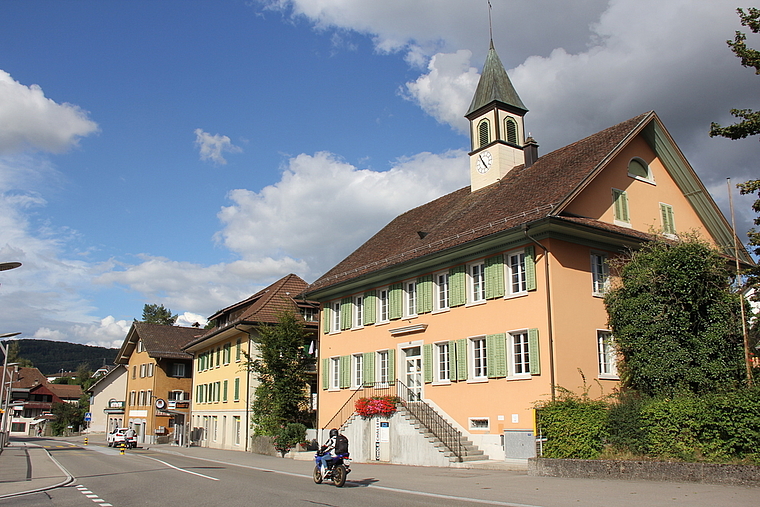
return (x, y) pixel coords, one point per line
(189, 153)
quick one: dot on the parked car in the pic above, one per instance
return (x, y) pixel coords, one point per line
(119, 435)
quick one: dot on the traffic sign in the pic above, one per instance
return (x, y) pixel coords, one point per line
(88, 416)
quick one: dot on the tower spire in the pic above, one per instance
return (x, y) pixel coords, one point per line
(490, 25)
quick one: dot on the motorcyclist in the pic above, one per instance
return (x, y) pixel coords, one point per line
(327, 448)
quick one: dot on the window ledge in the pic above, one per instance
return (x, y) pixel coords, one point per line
(442, 310)
(609, 377)
(526, 376)
(642, 179)
(516, 295)
(476, 303)
(415, 328)
(623, 224)
(477, 380)
(441, 383)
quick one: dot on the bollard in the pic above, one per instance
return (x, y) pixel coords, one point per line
(85, 440)
(122, 449)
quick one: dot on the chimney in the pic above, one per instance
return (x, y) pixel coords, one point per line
(531, 151)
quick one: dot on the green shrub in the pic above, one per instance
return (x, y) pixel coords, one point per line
(288, 437)
(625, 430)
(574, 427)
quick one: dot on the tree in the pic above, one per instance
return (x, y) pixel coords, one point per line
(14, 349)
(750, 120)
(157, 314)
(282, 370)
(676, 321)
(750, 187)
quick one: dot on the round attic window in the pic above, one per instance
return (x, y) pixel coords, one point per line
(637, 168)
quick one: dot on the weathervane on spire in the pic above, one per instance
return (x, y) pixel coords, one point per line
(490, 26)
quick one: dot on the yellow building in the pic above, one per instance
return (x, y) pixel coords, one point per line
(476, 305)
(224, 388)
(159, 380)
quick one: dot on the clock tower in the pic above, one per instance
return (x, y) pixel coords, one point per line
(496, 125)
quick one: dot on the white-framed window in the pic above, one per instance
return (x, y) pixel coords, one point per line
(236, 424)
(410, 299)
(178, 370)
(600, 274)
(442, 291)
(382, 305)
(477, 283)
(518, 283)
(607, 355)
(227, 353)
(640, 170)
(142, 370)
(149, 371)
(335, 328)
(140, 346)
(334, 373)
(141, 398)
(479, 358)
(132, 396)
(357, 319)
(480, 423)
(382, 367)
(238, 349)
(519, 354)
(442, 362)
(357, 371)
(149, 397)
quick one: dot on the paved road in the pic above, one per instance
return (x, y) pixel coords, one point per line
(211, 478)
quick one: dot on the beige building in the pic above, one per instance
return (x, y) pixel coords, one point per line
(223, 386)
(107, 400)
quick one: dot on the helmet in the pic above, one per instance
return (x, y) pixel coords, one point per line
(333, 432)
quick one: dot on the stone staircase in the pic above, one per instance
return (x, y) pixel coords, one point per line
(467, 450)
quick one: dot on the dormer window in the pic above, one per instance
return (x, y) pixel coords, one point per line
(639, 169)
(510, 126)
(484, 133)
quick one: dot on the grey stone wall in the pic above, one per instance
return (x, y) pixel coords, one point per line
(710, 473)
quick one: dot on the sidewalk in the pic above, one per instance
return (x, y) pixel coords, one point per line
(26, 467)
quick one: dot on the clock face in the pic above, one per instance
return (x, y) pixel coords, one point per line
(485, 159)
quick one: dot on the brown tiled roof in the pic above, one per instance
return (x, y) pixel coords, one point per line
(522, 196)
(160, 341)
(264, 306)
(66, 391)
(26, 377)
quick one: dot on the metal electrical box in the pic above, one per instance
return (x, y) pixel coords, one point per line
(519, 444)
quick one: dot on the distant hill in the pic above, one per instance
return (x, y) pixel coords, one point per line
(51, 357)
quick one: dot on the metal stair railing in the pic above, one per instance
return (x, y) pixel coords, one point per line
(431, 420)
(349, 407)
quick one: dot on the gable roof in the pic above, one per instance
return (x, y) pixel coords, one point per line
(25, 378)
(66, 391)
(523, 195)
(160, 341)
(261, 308)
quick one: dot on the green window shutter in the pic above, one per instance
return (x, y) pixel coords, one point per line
(535, 362)
(496, 348)
(457, 286)
(427, 362)
(530, 267)
(461, 359)
(237, 386)
(326, 314)
(224, 391)
(345, 372)
(370, 307)
(620, 199)
(368, 364)
(325, 374)
(495, 277)
(668, 225)
(391, 365)
(425, 294)
(395, 301)
(345, 313)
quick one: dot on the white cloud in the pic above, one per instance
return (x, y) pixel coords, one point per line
(212, 147)
(31, 121)
(189, 319)
(321, 193)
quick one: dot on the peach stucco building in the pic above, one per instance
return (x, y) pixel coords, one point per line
(486, 300)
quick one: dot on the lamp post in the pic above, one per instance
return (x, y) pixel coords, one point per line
(5, 266)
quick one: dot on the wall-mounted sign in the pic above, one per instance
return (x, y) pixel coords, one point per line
(160, 403)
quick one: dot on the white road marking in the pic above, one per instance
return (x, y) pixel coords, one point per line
(181, 469)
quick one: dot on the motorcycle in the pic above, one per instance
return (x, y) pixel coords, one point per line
(336, 468)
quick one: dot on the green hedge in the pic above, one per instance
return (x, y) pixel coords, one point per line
(717, 427)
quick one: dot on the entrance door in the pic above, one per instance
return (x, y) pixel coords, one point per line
(413, 369)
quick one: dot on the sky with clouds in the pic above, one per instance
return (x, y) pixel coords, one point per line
(189, 153)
